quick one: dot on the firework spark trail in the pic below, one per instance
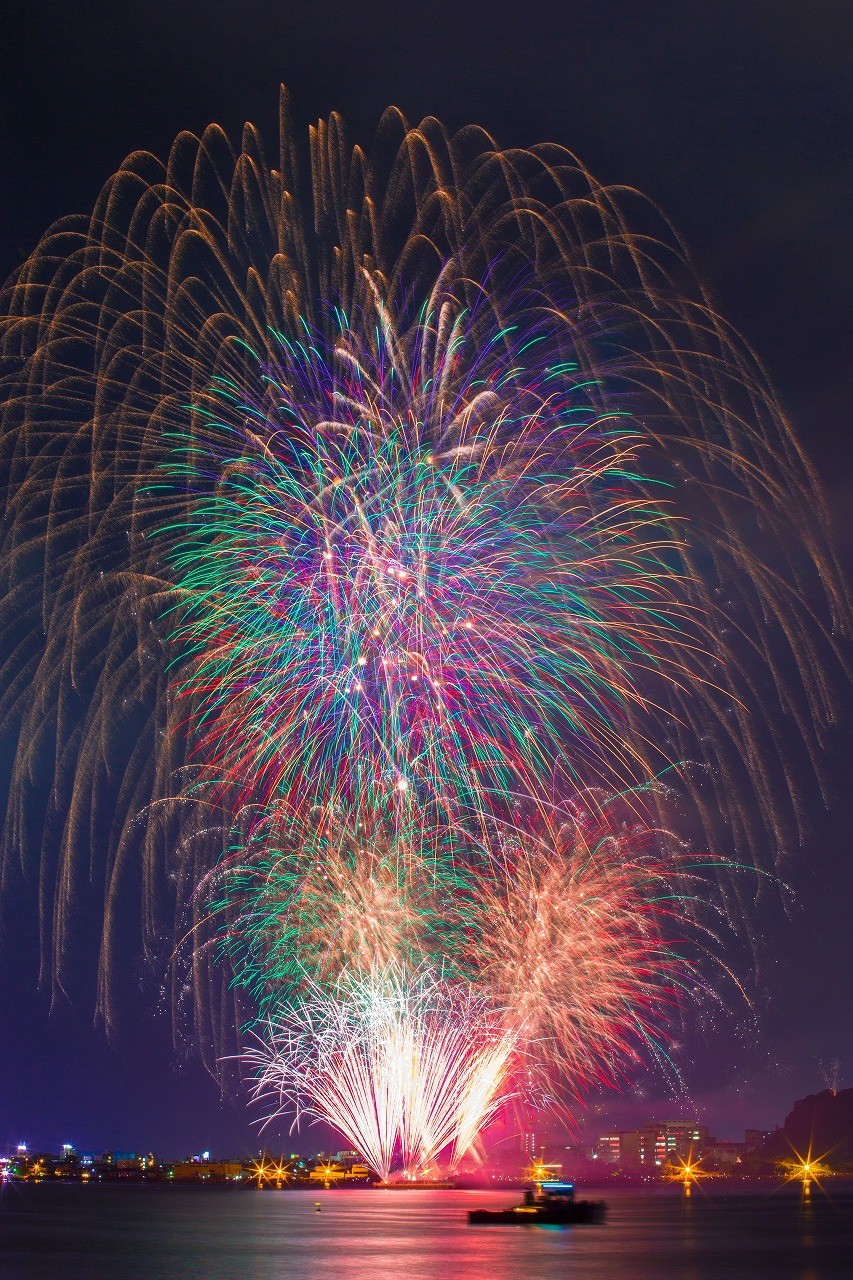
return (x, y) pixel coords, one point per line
(347, 547)
(577, 948)
(591, 939)
(406, 1066)
(421, 595)
(313, 895)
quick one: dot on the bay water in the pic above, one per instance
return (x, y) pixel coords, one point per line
(162, 1232)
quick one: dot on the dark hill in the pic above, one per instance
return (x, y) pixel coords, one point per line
(822, 1123)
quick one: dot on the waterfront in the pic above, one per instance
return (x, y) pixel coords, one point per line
(172, 1233)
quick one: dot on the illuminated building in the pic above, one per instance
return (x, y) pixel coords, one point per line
(196, 1170)
(725, 1154)
(654, 1144)
(608, 1148)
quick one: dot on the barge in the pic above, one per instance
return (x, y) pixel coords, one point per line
(551, 1204)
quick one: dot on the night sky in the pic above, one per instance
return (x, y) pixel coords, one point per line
(736, 118)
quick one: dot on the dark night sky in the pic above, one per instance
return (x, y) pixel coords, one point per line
(736, 118)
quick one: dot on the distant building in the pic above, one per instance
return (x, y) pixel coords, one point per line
(654, 1144)
(608, 1148)
(725, 1154)
(328, 1173)
(578, 1155)
(207, 1171)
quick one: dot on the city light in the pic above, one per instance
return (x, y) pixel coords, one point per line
(688, 1171)
(805, 1169)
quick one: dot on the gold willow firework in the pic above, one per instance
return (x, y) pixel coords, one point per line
(360, 540)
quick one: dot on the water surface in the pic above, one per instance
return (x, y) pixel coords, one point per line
(76, 1232)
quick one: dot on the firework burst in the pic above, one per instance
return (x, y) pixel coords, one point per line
(405, 1064)
(424, 566)
(349, 548)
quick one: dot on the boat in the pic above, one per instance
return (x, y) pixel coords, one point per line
(552, 1204)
